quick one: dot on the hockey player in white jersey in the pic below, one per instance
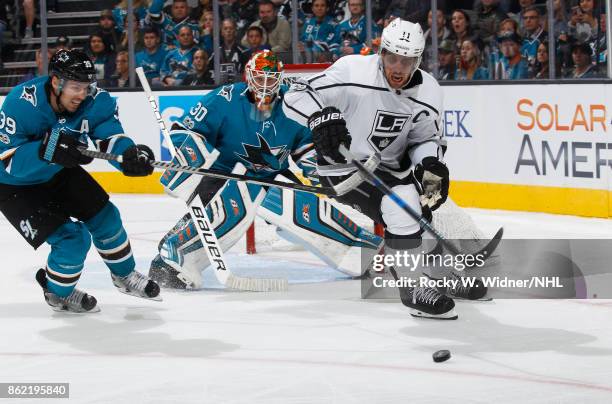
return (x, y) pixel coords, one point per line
(384, 103)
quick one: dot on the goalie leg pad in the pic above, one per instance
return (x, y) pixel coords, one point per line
(193, 152)
(319, 226)
(231, 208)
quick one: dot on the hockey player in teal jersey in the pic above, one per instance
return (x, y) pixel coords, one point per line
(43, 187)
(245, 128)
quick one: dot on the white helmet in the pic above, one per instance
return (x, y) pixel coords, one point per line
(403, 38)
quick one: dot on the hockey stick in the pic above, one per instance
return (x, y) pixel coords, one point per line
(485, 252)
(206, 232)
(340, 189)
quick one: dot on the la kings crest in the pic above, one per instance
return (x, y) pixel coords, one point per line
(386, 128)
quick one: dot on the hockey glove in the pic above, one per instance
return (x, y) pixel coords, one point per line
(328, 132)
(433, 177)
(61, 148)
(137, 161)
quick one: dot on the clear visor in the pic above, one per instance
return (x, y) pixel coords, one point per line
(399, 64)
(76, 88)
(264, 85)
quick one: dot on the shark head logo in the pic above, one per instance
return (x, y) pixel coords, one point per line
(262, 157)
(29, 94)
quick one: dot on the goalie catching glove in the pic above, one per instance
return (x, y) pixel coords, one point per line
(328, 133)
(433, 177)
(136, 161)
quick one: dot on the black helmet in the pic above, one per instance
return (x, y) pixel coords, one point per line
(72, 64)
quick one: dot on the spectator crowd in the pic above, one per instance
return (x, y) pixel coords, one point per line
(477, 39)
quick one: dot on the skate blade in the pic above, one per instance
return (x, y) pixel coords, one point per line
(451, 315)
(157, 298)
(59, 309)
(482, 299)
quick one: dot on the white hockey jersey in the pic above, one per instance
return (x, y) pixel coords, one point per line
(403, 125)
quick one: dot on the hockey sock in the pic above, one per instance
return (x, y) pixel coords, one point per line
(69, 246)
(111, 240)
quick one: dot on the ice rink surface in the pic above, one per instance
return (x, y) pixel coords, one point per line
(317, 343)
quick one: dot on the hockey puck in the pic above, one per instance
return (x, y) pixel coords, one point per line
(441, 356)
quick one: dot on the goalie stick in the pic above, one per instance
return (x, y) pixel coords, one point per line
(339, 189)
(485, 252)
(206, 232)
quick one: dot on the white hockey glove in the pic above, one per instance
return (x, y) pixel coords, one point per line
(433, 176)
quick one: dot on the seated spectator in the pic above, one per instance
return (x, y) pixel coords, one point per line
(206, 30)
(40, 67)
(411, 10)
(583, 24)
(318, 38)
(103, 58)
(199, 75)
(170, 24)
(443, 33)
(512, 65)
(460, 26)
(277, 32)
(602, 45)
(255, 39)
(507, 25)
(108, 29)
(179, 60)
(232, 56)
(63, 42)
(151, 58)
(447, 60)
(354, 30)
(492, 52)
(533, 34)
(120, 14)
(541, 68)
(121, 78)
(582, 56)
(470, 64)
(123, 43)
(518, 17)
(488, 18)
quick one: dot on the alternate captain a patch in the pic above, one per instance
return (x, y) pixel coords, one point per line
(29, 94)
(386, 128)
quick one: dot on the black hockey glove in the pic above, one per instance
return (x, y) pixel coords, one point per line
(137, 161)
(61, 148)
(433, 177)
(328, 132)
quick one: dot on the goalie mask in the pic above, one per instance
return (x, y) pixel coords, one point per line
(264, 74)
(401, 48)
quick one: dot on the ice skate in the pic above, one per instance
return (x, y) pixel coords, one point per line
(76, 302)
(137, 284)
(428, 303)
(167, 276)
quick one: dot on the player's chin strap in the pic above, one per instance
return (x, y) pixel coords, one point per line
(339, 189)
(378, 183)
